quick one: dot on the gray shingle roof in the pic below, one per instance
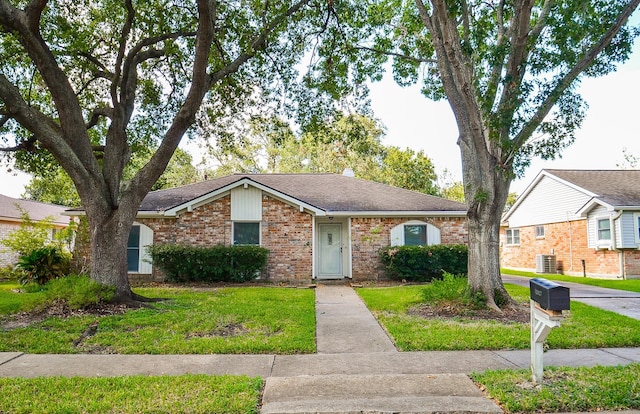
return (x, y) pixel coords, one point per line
(328, 192)
(618, 188)
(10, 209)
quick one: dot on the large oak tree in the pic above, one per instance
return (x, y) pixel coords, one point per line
(88, 80)
(509, 70)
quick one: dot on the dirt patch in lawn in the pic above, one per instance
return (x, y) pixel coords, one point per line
(232, 329)
(59, 309)
(515, 314)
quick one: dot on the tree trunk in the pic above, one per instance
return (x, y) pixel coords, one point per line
(486, 191)
(484, 255)
(109, 234)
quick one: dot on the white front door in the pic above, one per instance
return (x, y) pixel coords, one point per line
(330, 254)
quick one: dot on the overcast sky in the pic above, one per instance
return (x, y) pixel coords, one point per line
(415, 122)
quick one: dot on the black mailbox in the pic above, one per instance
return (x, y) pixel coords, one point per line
(549, 295)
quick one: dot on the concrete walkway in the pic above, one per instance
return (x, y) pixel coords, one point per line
(357, 369)
(345, 325)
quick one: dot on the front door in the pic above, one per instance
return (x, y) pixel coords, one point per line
(330, 254)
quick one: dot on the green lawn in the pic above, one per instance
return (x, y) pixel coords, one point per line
(585, 326)
(12, 302)
(565, 389)
(632, 285)
(135, 394)
(251, 320)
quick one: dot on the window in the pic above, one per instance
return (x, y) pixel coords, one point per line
(513, 236)
(138, 259)
(415, 235)
(246, 233)
(604, 229)
(133, 249)
(539, 232)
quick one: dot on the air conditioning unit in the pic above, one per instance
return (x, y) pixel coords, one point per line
(546, 263)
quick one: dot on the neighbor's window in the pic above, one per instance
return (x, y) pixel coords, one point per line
(539, 232)
(604, 229)
(246, 233)
(415, 234)
(513, 236)
(133, 249)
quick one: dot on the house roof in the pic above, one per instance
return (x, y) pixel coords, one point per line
(11, 210)
(615, 189)
(322, 193)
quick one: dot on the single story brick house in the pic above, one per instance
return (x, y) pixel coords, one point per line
(576, 222)
(11, 210)
(316, 226)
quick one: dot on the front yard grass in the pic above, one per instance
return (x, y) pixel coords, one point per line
(134, 394)
(585, 326)
(247, 320)
(592, 389)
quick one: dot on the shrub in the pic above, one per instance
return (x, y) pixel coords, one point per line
(452, 289)
(209, 264)
(423, 263)
(449, 288)
(78, 291)
(9, 273)
(44, 264)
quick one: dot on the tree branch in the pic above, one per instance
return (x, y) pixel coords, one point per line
(259, 43)
(395, 54)
(97, 114)
(515, 66)
(565, 82)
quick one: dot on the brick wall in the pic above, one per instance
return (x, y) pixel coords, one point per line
(286, 232)
(288, 235)
(568, 241)
(369, 235)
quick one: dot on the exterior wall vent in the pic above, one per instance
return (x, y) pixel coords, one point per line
(546, 263)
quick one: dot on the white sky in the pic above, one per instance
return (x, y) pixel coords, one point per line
(610, 125)
(415, 122)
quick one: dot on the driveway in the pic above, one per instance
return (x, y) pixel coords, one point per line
(619, 301)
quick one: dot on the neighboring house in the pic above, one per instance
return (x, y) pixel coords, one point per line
(11, 210)
(576, 222)
(316, 226)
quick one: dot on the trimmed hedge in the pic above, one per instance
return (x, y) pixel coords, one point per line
(209, 264)
(423, 263)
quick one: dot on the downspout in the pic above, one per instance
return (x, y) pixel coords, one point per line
(615, 217)
(570, 243)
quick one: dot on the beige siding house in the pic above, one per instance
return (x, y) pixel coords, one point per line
(11, 210)
(316, 226)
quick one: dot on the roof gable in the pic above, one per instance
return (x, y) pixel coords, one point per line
(615, 189)
(11, 209)
(320, 193)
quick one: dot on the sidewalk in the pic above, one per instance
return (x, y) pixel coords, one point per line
(16, 364)
(356, 369)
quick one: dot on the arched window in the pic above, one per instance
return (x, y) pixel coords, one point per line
(415, 233)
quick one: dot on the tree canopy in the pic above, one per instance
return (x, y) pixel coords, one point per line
(86, 82)
(509, 70)
(350, 142)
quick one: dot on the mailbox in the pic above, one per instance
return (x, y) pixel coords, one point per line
(549, 295)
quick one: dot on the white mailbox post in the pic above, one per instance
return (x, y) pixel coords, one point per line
(548, 300)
